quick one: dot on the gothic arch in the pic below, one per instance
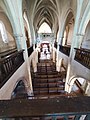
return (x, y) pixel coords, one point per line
(72, 81)
(64, 20)
(84, 21)
(24, 81)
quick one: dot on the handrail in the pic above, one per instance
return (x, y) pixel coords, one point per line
(8, 52)
(82, 49)
(64, 49)
(83, 57)
(30, 50)
(9, 65)
(41, 108)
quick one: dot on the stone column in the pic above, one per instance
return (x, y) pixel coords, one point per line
(77, 44)
(79, 40)
(18, 40)
(21, 44)
(57, 62)
(54, 55)
(57, 58)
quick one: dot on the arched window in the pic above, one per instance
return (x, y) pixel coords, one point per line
(3, 32)
(44, 28)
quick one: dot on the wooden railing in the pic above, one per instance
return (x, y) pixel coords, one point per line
(8, 52)
(64, 49)
(83, 57)
(30, 50)
(9, 65)
(55, 45)
(62, 108)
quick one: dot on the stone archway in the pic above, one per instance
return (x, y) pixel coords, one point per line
(85, 20)
(67, 28)
(84, 24)
(77, 84)
(20, 89)
(85, 43)
(64, 20)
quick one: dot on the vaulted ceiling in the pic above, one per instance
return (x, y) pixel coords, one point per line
(45, 11)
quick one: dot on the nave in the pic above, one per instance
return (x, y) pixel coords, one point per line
(47, 82)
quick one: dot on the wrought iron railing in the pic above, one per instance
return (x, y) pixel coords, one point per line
(64, 49)
(30, 50)
(9, 65)
(62, 108)
(55, 45)
(83, 57)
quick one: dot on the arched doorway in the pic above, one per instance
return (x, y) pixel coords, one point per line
(78, 86)
(19, 91)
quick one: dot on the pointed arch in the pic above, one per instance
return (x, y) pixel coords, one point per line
(20, 89)
(74, 79)
(44, 28)
(85, 20)
(67, 16)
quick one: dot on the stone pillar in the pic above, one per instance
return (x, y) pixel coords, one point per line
(79, 40)
(34, 64)
(77, 44)
(57, 62)
(53, 52)
(60, 40)
(67, 77)
(57, 58)
(30, 92)
(21, 44)
(18, 40)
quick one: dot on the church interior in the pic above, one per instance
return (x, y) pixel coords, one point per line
(44, 60)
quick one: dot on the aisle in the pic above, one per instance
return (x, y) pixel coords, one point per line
(47, 82)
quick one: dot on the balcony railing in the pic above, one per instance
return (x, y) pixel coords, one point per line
(83, 57)
(64, 49)
(8, 52)
(30, 50)
(9, 65)
(55, 45)
(62, 108)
